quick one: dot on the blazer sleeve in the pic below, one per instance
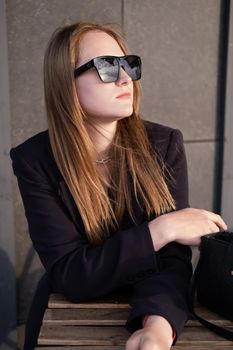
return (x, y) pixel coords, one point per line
(75, 268)
(165, 293)
(176, 163)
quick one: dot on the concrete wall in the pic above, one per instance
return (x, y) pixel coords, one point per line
(7, 238)
(178, 41)
(227, 190)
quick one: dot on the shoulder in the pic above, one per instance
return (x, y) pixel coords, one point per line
(36, 153)
(35, 146)
(163, 138)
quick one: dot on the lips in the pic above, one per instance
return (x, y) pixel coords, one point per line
(124, 95)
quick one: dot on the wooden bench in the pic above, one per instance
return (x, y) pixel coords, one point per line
(99, 325)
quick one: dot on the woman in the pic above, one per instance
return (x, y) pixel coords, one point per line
(106, 193)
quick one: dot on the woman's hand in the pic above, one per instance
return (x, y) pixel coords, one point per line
(156, 335)
(184, 226)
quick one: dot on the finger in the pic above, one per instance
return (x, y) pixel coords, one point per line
(220, 222)
(213, 228)
(133, 341)
(217, 219)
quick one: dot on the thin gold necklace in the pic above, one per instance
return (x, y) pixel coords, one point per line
(103, 160)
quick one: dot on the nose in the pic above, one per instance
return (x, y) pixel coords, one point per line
(124, 78)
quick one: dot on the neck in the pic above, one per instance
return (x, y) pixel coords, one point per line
(102, 135)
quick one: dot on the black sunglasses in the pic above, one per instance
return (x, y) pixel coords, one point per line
(108, 67)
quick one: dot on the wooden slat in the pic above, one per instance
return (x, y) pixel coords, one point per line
(212, 317)
(94, 317)
(57, 301)
(200, 336)
(72, 335)
(82, 335)
(109, 316)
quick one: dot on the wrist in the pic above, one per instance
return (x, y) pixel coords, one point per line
(160, 234)
(161, 325)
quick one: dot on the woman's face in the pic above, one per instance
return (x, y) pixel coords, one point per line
(103, 101)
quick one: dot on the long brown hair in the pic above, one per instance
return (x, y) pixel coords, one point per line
(74, 152)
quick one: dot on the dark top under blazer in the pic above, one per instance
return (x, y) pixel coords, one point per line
(158, 280)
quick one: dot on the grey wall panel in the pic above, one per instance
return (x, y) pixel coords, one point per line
(30, 25)
(227, 190)
(178, 42)
(200, 156)
(8, 333)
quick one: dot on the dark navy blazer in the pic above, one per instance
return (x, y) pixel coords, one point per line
(158, 281)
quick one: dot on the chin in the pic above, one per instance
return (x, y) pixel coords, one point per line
(127, 113)
(111, 118)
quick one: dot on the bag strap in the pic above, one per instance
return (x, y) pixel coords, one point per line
(223, 332)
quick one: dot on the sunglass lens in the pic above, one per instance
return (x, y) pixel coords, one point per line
(107, 68)
(132, 66)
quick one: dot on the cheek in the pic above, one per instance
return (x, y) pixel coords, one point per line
(94, 96)
(99, 99)
(94, 99)
(85, 88)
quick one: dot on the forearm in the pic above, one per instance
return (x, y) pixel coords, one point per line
(164, 293)
(89, 272)
(159, 234)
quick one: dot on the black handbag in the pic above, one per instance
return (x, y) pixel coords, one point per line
(213, 280)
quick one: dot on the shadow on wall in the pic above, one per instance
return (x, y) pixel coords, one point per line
(7, 299)
(26, 285)
(27, 282)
